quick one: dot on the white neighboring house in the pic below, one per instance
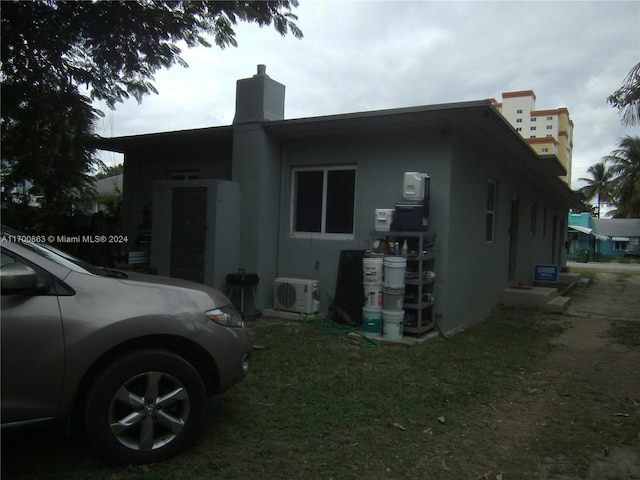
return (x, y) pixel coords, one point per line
(105, 187)
(19, 191)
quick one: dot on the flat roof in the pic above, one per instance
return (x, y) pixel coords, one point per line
(479, 120)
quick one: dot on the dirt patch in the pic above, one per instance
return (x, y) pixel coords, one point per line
(592, 376)
(611, 295)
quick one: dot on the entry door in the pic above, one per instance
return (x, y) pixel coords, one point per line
(513, 238)
(188, 233)
(555, 242)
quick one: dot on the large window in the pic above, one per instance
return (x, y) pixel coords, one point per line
(323, 201)
(491, 211)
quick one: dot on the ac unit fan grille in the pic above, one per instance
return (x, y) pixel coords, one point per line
(286, 294)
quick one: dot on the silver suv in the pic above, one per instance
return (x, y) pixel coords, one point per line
(134, 356)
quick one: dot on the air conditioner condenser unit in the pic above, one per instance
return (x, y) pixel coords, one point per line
(298, 295)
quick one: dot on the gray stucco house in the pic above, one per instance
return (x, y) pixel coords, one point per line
(250, 195)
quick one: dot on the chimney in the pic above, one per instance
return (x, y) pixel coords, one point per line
(259, 98)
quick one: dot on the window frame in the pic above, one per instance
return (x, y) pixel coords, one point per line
(620, 245)
(490, 211)
(322, 234)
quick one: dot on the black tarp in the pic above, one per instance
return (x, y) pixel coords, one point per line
(349, 297)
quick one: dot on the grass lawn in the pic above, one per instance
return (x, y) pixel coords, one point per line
(318, 407)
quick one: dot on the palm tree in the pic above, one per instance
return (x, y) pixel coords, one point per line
(599, 185)
(625, 186)
(627, 98)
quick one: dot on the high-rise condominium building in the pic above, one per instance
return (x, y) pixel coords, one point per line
(549, 132)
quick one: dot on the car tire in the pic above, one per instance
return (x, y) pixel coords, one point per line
(145, 407)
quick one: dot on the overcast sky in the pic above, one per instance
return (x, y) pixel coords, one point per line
(369, 55)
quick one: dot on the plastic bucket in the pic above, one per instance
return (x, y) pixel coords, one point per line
(393, 322)
(372, 269)
(373, 295)
(394, 268)
(393, 299)
(371, 322)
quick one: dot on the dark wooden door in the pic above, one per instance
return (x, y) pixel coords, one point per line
(188, 233)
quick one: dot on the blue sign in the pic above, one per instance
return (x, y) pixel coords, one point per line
(546, 273)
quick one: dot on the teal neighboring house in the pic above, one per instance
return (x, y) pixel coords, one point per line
(623, 233)
(593, 237)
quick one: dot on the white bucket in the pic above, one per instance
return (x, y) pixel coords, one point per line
(393, 323)
(371, 322)
(372, 270)
(373, 295)
(394, 268)
(393, 298)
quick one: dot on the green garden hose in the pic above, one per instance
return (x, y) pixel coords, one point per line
(329, 328)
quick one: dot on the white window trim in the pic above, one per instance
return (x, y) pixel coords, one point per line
(322, 235)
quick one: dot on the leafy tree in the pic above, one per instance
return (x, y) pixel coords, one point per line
(599, 185)
(60, 56)
(627, 98)
(625, 186)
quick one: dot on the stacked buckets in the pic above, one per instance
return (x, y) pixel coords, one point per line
(372, 282)
(383, 310)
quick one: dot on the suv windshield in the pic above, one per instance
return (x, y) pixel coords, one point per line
(51, 253)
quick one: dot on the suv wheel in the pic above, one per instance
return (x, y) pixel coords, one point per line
(145, 407)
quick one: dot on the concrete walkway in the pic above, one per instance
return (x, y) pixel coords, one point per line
(610, 266)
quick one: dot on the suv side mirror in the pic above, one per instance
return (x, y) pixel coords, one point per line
(18, 278)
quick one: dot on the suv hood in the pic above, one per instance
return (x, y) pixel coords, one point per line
(155, 281)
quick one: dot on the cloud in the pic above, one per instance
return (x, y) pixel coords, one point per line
(367, 55)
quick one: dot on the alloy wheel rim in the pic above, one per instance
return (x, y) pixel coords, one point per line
(148, 411)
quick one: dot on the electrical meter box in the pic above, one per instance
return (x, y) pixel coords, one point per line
(384, 219)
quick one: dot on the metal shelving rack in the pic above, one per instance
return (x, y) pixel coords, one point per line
(419, 303)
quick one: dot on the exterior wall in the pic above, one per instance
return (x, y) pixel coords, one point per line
(256, 167)
(471, 273)
(620, 233)
(222, 251)
(581, 220)
(380, 161)
(565, 141)
(607, 248)
(577, 240)
(156, 162)
(545, 146)
(534, 125)
(474, 270)
(467, 267)
(259, 98)
(517, 104)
